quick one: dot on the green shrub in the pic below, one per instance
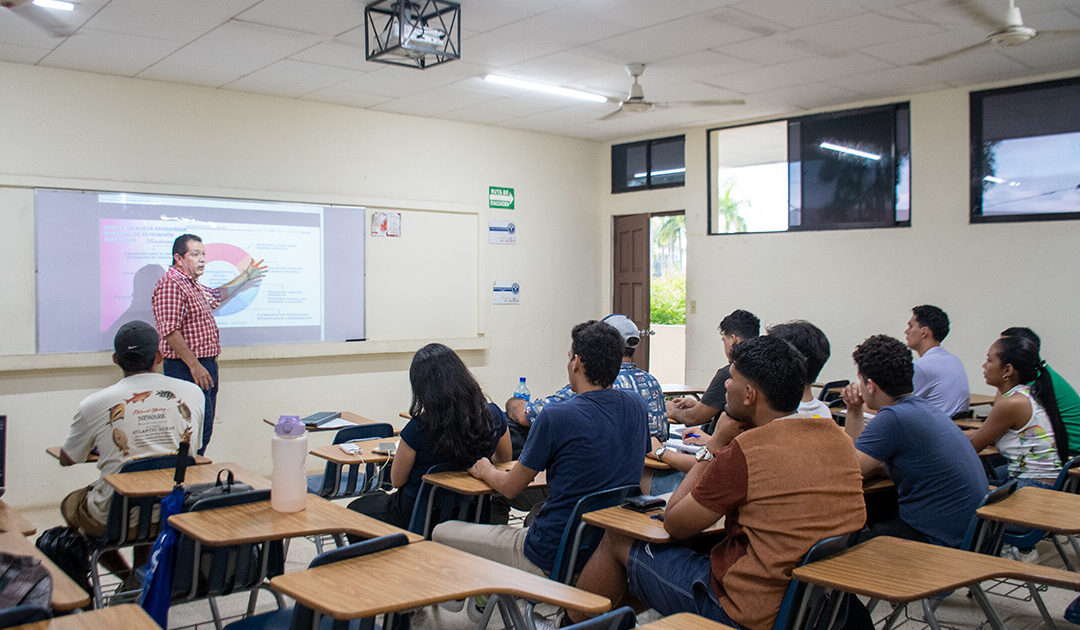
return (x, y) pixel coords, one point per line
(667, 300)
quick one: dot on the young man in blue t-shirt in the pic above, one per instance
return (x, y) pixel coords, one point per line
(939, 479)
(594, 441)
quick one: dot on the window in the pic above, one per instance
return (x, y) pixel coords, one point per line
(659, 163)
(1025, 152)
(840, 170)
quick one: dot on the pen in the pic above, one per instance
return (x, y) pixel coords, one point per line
(688, 435)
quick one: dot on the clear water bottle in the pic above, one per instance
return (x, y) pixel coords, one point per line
(288, 482)
(522, 390)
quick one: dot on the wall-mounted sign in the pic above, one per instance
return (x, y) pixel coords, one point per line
(505, 293)
(502, 198)
(502, 233)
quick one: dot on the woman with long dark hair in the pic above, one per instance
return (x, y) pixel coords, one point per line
(452, 423)
(1024, 423)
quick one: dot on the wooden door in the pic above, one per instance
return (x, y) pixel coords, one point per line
(630, 264)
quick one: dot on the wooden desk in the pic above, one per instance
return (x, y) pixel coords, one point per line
(420, 574)
(877, 485)
(126, 616)
(639, 525)
(901, 571)
(66, 594)
(12, 521)
(685, 621)
(656, 464)
(968, 423)
(91, 458)
(461, 482)
(981, 399)
(678, 389)
(257, 522)
(1039, 508)
(349, 418)
(334, 454)
(151, 483)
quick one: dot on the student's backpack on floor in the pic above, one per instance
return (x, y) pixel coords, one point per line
(24, 582)
(69, 550)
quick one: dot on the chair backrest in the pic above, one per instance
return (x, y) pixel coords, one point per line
(618, 619)
(444, 505)
(18, 615)
(822, 607)
(123, 511)
(1065, 481)
(204, 571)
(332, 475)
(302, 617)
(827, 396)
(984, 535)
(579, 539)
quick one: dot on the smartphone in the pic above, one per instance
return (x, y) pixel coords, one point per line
(644, 503)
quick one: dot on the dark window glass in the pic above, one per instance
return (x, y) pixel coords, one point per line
(1025, 152)
(659, 163)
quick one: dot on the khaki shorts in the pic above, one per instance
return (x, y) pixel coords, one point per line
(77, 514)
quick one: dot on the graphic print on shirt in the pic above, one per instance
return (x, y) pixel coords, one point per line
(146, 421)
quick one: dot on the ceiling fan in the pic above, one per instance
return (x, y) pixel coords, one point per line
(41, 15)
(1009, 30)
(635, 102)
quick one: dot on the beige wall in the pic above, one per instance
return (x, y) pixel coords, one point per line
(855, 283)
(78, 130)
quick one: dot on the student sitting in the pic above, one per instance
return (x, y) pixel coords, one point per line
(593, 441)
(1068, 401)
(939, 479)
(451, 424)
(782, 485)
(814, 345)
(1024, 423)
(939, 376)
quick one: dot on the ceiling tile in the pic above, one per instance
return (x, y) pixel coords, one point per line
(564, 68)
(764, 51)
(1047, 54)
(856, 32)
(398, 81)
(474, 116)
(800, 14)
(324, 17)
(796, 73)
(642, 13)
(439, 100)
(236, 48)
(337, 54)
(891, 81)
(21, 54)
(485, 15)
(108, 53)
(16, 30)
(975, 67)
(345, 97)
(691, 68)
(565, 27)
(918, 48)
(166, 19)
(292, 78)
(807, 96)
(664, 41)
(46, 21)
(531, 103)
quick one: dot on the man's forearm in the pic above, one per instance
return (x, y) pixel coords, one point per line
(691, 480)
(854, 421)
(179, 345)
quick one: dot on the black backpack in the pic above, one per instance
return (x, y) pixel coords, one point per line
(69, 550)
(24, 582)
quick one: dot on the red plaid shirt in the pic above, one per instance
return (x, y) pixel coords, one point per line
(181, 303)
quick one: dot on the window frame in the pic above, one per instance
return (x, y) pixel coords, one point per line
(648, 144)
(975, 112)
(709, 176)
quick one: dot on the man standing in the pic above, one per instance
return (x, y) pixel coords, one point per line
(183, 310)
(739, 326)
(143, 415)
(939, 478)
(939, 376)
(593, 441)
(783, 484)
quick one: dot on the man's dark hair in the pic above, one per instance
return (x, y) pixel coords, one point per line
(180, 245)
(807, 339)
(600, 347)
(888, 362)
(742, 324)
(1026, 333)
(933, 318)
(775, 367)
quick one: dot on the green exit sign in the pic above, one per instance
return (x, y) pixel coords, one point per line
(500, 197)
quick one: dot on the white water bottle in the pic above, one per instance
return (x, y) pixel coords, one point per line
(288, 481)
(522, 390)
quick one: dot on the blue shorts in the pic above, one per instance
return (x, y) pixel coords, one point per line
(673, 579)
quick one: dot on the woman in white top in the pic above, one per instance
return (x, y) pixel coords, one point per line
(1024, 422)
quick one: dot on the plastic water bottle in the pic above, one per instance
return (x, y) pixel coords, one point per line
(288, 481)
(522, 390)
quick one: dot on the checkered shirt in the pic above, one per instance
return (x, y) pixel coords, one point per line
(181, 303)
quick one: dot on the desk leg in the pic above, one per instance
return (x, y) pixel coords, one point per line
(988, 610)
(928, 615)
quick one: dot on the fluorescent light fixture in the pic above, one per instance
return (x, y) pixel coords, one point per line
(839, 149)
(541, 87)
(59, 5)
(993, 180)
(670, 171)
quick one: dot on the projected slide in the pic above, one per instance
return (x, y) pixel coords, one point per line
(100, 254)
(289, 295)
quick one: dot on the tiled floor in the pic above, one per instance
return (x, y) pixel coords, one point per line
(956, 611)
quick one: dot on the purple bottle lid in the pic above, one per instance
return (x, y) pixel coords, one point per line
(289, 425)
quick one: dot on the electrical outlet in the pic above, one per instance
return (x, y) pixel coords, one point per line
(692, 306)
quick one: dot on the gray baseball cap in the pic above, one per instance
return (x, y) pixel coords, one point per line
(629, 331)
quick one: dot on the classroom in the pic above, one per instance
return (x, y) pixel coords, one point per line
(84, 130)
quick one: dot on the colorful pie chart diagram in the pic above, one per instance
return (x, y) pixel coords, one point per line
(223, 263)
